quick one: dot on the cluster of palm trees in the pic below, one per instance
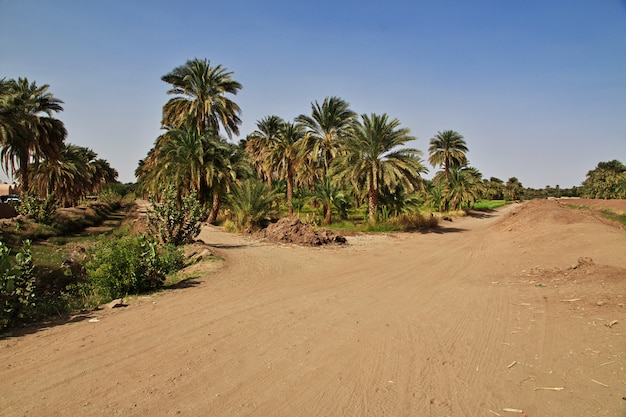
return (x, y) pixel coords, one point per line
(607, 180)
(33, 147)
(332, 155)
(191, 154)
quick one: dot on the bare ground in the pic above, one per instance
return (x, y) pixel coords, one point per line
(518, 309)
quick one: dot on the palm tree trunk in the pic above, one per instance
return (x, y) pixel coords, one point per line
(24, 173)
(215, 208)
(290, 191)
(328, 214)
(373, 204)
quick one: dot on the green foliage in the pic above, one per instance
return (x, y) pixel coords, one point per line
(174, 222)
(129, 265)
(17, 285)
(251, 205)
(486, 205)
(41, 210)
(607, 180)
(109, 196)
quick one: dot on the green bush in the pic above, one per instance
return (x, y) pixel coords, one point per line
(17, 285)
(42, 211)
(172, 223)
(129, 265)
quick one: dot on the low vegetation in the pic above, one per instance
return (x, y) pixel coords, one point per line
(72, 267)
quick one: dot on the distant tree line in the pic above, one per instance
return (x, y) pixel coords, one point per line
(33, 148)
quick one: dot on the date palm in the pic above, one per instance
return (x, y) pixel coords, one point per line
(201, 100)
(77, 173)
(28, 132)
(328, 123)
(373, 156)
(463, 185)
(447, 149)
(285, 156)
(513, 189)
(259, 143)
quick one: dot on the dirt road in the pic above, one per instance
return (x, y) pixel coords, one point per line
(491, 313)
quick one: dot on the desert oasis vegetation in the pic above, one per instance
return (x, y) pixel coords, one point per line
(322, 266)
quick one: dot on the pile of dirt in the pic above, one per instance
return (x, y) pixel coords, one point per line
(538, 213)
(292, 230)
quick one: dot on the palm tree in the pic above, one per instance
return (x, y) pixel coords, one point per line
(370, 158)
(28, 132)
(513, 189)
(183, 161)
(200, 98)
(463, 185)
(447, 148)
(260, 141)
(193, 161)
(327, 124)
(251, 204)
(285, 156)
(77, 173)
(494, 188)
(331, 195)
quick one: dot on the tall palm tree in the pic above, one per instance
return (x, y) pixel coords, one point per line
(285, 156)
(370, 158)
(28, 132)
(259, 143)
(447, 148)
(328, 123)
(201, 100)
(231, 166)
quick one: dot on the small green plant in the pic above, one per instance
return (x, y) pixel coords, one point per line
(109, 196)
(42, 211)
(174, 223)
(17, 285)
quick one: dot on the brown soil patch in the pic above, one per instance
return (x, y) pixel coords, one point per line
(615, 205)
(521, 308)
(292, 230)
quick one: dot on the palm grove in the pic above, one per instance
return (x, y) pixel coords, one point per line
(33, 147)
(336, 161)
(333, 158)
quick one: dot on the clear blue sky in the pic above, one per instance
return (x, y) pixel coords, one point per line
(537, 88)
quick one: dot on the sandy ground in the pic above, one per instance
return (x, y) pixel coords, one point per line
(491, 314)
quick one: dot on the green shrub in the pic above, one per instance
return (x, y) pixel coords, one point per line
(42, 211)
(129, 265)
(172, 223)
(17, 285)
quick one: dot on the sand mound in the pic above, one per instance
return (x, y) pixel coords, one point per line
(292, 230)
(536, 213)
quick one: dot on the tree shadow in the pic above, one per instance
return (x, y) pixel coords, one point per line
(190, 282)
(481, 214)
(443, 230)
(32, 328)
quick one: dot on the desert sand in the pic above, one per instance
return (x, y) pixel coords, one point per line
(515, 312)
